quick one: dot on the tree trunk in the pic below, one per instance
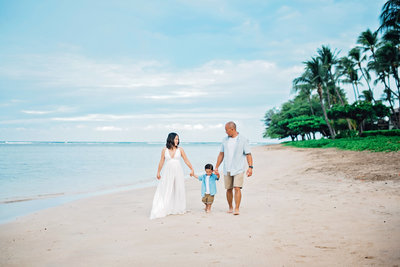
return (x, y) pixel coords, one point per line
(397, 80)
(328, 97)
(365, 78)
(331, 130)
(311, 108)
(395, 120)
(358, 92)
(336, 89)
(354, 91)
(361, 127)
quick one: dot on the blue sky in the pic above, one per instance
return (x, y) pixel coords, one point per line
(137, 70)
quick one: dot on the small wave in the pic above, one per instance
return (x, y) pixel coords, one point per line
(16, 143)
(9, 201)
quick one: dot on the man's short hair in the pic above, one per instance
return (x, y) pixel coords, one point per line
(231, 124)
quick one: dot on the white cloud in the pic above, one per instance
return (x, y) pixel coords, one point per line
(11, 102)
(184, 126)
(160, 116)
(95, 117)
(60, 109)
(108, 129)
(83, 76)
(35, 112)
(177, 94)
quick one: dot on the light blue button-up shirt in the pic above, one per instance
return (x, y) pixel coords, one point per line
(213, 186)
(242, 148)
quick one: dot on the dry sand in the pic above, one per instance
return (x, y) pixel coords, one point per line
(302, 207)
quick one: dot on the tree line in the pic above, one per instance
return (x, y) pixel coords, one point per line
(321, 105)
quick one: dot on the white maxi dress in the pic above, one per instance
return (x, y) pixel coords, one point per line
(170, 196)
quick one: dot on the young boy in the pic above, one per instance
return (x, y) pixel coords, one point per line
(208, 186)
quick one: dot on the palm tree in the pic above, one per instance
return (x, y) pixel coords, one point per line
(369, 41)
(355, 54)
(305, 90)
(347, 68)
(388, 55)
(314, 76)
(329, 59)
(366, 96)
(390, 16)
(387, 64)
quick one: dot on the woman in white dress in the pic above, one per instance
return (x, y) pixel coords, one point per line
(170, 196)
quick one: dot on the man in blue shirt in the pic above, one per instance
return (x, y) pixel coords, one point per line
(234, 150)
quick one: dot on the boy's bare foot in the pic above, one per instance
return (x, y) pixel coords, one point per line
(236, 212)
(230, 211)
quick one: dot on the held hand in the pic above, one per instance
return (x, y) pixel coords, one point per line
(192, 173)
(249, 172)
(158, 176)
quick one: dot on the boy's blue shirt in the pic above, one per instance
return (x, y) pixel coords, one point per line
(213, 185)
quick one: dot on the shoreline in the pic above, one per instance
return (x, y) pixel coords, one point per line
(293, 212)
(26, 206)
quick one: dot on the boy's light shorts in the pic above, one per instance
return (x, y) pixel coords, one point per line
(233, 181)
(208, 199)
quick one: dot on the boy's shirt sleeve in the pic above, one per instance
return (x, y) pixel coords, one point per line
(201, 177)
(215, 177)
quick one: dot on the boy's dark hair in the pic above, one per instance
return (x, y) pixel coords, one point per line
(209, 167)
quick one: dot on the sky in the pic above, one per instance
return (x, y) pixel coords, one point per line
(133, 71)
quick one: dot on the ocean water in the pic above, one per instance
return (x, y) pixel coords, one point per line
(38, 175)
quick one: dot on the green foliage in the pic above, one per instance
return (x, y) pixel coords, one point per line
(395, 132)
(305, 124)
(277, 121)
(347, 134)
(372, 143)
(359, 111)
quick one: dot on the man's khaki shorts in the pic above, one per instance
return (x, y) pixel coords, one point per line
(233, 181)
(208, 199)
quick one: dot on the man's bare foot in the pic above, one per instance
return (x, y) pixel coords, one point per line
(236, 212)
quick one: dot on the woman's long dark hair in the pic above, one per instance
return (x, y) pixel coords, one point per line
(170, 140)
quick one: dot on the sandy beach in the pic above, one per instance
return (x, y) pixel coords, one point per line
(302, 207)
